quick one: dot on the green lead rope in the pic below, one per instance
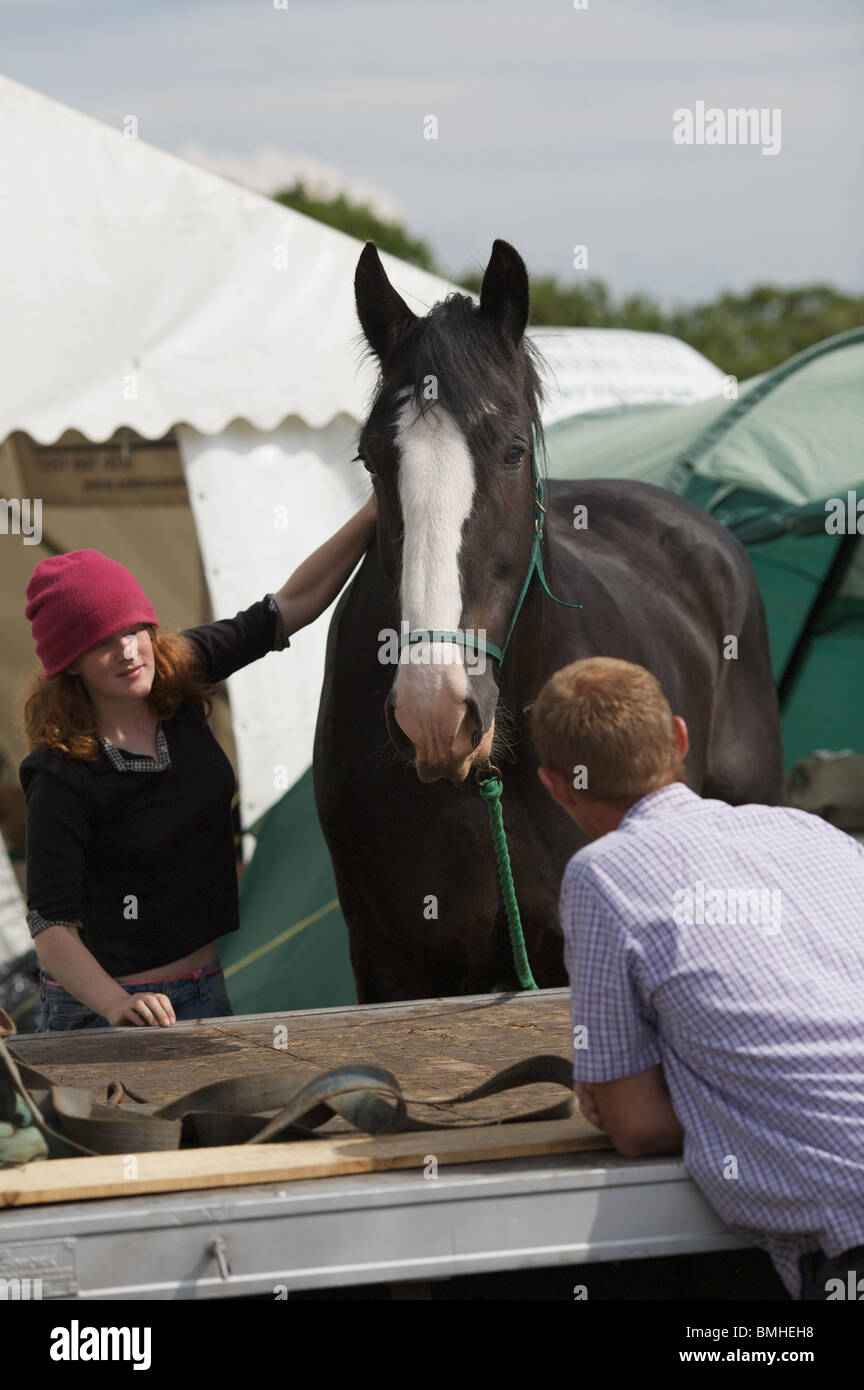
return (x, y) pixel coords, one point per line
(491, 790)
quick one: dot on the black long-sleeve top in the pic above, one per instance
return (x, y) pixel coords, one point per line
(139, 854)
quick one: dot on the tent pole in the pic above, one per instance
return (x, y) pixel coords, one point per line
(837, 572)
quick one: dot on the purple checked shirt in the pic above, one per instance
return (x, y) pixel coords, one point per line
(727, 943)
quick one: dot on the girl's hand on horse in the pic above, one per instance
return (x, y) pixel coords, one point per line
(141, 1010)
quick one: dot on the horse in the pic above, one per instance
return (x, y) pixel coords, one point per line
(453, 442)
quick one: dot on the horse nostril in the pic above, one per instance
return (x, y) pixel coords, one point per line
(473, 714)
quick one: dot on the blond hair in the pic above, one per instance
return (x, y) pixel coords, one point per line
(612, 719)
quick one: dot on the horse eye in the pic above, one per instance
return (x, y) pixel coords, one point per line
(517, 454)
(366, 464)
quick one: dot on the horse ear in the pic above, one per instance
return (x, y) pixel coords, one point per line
(384, 316)
(504, 293)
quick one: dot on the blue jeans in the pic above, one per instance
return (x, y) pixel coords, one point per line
(199, 995)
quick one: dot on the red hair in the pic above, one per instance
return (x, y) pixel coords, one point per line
(58, 711)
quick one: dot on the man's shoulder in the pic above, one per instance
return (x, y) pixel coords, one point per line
(676, 823)
(770, 828)
(806, 825)
(678, 808)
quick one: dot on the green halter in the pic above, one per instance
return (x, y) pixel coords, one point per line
(465, 639)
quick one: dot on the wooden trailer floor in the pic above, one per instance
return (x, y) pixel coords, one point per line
(432, 1047)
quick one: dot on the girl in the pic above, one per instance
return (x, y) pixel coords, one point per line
(131, 873)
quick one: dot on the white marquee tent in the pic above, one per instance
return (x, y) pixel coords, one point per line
(181, 388)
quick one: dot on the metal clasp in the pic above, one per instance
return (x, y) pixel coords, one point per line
(218, 1248)
(485, 772)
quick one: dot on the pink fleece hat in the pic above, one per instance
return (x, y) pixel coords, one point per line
(78, 599)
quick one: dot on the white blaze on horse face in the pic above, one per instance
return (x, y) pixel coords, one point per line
(436, 492)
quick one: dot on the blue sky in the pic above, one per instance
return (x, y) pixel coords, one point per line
(554, 123)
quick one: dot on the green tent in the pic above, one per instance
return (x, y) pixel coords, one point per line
(291, 951)
(781, 466)
(765, 464)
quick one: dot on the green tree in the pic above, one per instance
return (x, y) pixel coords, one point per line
(743, 333)
(750, 333)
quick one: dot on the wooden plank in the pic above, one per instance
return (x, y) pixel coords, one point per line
(233, 1165)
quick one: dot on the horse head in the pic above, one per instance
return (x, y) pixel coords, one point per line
(448, 443)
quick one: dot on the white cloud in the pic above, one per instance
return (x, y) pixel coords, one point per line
(268, 170)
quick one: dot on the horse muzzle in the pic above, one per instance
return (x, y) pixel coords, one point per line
(442, 738)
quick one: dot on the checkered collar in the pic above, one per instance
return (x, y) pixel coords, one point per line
(138, 763)
(669, 800)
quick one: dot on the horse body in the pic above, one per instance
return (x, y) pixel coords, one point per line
(661, 584)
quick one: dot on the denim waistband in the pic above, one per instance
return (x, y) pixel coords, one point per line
(201, 973)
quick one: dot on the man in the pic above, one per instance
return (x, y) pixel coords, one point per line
(716, 961)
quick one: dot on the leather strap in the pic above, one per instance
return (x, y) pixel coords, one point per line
(240, 1110)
